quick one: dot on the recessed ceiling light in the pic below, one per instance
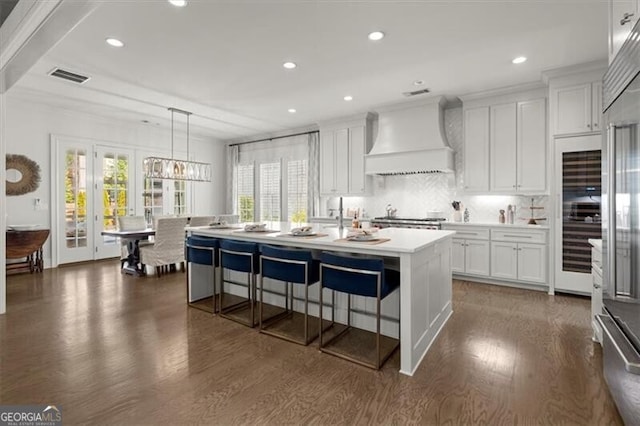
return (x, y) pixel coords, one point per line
(178, 3)
(289, 65)
(376, 35)
(418, 82)
(114, 42)
(292, 110)
(348, 98)
(519, 60)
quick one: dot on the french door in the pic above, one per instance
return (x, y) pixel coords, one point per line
(92, 188)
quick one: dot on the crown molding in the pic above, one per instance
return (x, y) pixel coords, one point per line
(553, 73)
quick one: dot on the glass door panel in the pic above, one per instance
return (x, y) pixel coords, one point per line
(579, 215)
(113, 196)
(74, 205)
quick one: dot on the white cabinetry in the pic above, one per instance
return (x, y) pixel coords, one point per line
(342, 150)
(577, 108)
(519, 255)
(623, 15)
(476, 149)
(518, 154)
(501, 253)
(505, 149)
(470, 253)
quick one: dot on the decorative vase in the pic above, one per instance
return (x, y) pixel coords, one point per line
(457, 216)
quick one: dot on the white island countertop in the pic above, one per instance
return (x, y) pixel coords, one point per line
(425, 275)
(401, 240)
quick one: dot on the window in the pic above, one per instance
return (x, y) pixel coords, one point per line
(297, 178)
(244, 183)
(270, 191)
(271, 180)
(158, 201)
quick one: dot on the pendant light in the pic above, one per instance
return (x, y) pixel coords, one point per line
(171, 168)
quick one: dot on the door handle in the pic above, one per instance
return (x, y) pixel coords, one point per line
(607, 324)
(626, 18)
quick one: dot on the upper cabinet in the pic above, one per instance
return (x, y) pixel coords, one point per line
(577, 108)
(505, 149)
(476, 147)
(343, 146)
(622, 17)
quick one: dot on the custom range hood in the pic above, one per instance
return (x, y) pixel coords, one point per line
(411, 140)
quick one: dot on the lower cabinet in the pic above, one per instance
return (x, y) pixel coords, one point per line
(519, 261)
(470, 257)
(498, 252)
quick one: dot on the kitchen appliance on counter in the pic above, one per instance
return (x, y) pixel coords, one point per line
(404, 222)
(621, 229)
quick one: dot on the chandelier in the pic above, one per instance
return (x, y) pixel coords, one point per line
(171, 168)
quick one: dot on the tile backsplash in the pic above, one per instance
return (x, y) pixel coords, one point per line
(414, 195)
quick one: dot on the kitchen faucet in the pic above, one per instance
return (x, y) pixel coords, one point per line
(340, 227)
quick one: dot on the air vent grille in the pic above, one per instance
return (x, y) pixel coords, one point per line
(416, 92)
(419, 172)
(69, 76)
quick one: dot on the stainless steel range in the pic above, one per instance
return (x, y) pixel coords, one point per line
(405, 222)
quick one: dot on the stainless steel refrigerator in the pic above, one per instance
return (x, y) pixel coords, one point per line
(621, 229)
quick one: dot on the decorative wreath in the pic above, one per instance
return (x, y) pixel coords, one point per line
(30, 174)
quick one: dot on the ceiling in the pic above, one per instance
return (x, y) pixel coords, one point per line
(222, 60)
(6, 6)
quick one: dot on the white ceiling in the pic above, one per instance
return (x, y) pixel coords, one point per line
(222, 60)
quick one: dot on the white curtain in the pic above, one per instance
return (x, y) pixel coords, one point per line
(313, 182)
(232, 190)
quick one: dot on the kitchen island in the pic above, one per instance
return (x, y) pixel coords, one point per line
(424, 261)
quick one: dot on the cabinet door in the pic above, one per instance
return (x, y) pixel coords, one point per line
(356, 160)
(457, 256)
(477, 257)
(476, 149)
(327, 163)
(620, 24)
(503, 147)
(532, 261)
(504, 260)
(342, 161)
(532, 147)
(596, 105)
(573, 109)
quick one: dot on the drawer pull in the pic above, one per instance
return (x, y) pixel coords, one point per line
(518, 236)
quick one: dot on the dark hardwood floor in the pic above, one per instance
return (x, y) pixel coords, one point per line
(114, 349)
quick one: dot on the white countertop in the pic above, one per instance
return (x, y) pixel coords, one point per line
(401, 240)
(596, 243)
(496, 225)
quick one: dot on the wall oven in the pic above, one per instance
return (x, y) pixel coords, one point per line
(621, 229)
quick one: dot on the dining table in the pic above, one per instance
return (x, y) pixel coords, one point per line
(133, 238)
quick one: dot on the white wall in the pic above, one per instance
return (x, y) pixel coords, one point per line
(28, 130)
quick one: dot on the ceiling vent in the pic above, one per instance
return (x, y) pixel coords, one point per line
(416, 92)
(69, 76)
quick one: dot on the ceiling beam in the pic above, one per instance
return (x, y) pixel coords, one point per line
(32, 29)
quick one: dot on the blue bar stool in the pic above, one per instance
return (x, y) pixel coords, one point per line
(363, 277)
(202, 251)
(292, 266)
(241, 257)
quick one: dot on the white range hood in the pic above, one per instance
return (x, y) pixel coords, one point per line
(410, 140)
